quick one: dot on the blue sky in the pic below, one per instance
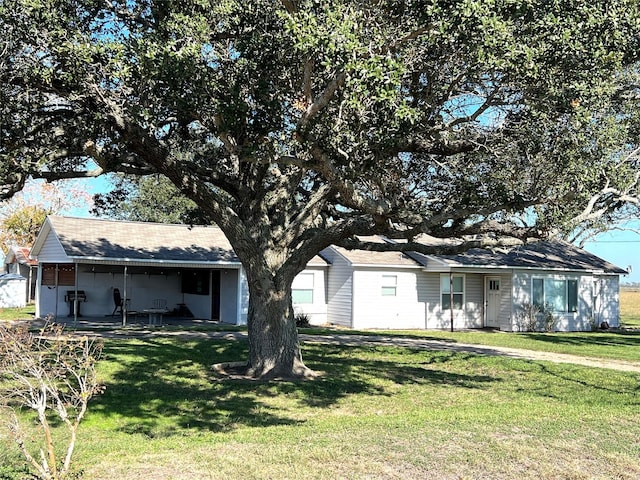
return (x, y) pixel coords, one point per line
(621, 248)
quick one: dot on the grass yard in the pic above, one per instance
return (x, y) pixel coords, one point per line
(25, 313)
(378, 413)
(618, 344)
(630, 307)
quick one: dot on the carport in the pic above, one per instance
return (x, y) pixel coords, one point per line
(83, 261)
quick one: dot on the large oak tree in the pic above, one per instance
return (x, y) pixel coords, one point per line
(299, 124)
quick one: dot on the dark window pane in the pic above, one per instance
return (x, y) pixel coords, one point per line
(572, 295)
(537, 292)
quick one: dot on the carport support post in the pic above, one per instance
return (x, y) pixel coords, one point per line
(124, 299)
(75, 296)
(55, 283)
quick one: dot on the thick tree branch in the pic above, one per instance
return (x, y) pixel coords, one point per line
(437, 247)
(321, 101)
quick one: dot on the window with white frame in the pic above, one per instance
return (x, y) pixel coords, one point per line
(389, 286)
(557, 294)
(452, 288)
(302, 289)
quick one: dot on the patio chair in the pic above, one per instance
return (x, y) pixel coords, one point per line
(158, 309)
(117, 300)
(160, 304)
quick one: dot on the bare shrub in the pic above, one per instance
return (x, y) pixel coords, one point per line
(549, 320)
(527, 317)
(533, 318)
(54, 375)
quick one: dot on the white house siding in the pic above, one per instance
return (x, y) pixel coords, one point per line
(372, 309)
(607, 302)
(472, 313)
(142, 290)
(474, 301)
(243, 299)
(597, 299)
(48, 299)
(52, 251)
(229, 295)
(317, 310)
(198, 305)
(339, 289)
(430, 291)
(506, 303)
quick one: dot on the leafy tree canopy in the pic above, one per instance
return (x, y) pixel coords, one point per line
(145, 199)
(298, 124)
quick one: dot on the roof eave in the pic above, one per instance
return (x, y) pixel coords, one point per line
(151, 262)
(459, 266)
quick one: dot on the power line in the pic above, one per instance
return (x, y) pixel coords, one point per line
(612, 241)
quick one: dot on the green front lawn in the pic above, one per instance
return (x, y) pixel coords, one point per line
(377, 412)
(621, 345)
(26, 313)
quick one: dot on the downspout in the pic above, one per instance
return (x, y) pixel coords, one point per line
(38, 293)
(124, 299)
(75, 295)
(238, 299)
(55, 287)
(29, 284)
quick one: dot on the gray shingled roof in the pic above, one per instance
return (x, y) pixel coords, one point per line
(365, 257)
(92, 238)
(111, 239)
(551, 255)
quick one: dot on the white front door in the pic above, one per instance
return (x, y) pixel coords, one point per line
(492, 295)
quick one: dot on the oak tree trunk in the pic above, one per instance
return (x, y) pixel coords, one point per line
(274, 349)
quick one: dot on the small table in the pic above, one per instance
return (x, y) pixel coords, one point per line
(155, 315)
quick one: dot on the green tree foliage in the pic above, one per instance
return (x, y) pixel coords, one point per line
(145, 199)
(298, 124)
(21, 227)
(23, 215)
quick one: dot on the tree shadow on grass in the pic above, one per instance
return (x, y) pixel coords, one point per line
(160, 387)
(351, 370)
(595, 386)
(609, 339)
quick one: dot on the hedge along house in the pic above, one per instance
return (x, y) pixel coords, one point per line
(477, 289)
(193, 270)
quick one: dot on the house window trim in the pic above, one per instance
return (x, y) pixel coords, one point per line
(389, 288)
(307, 293)
(568, 302)
(463, 293)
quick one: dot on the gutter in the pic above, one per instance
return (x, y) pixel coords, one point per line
(151, 262)
(507, 267)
